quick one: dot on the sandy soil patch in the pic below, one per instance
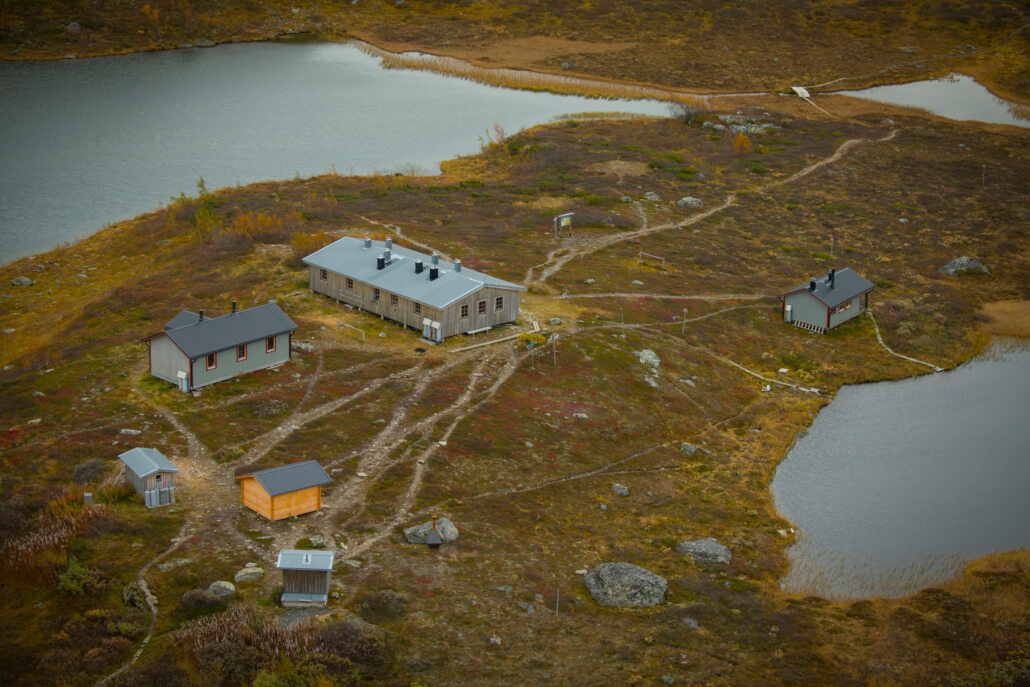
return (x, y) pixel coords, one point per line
(1007, 318)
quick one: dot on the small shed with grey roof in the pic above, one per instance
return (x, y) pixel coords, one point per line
(193, 351)
(827, 302)
(285, 491)
(306, 576)
(434, 296)
(151, 475)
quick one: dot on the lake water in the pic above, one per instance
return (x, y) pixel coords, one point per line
(84, 143)
(897, 485)
(956, 96)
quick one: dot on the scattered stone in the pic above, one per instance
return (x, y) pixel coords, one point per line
(783, 370)
(317, 541)
(903, 220)
(334, 595)
(620, 490)
(22, 281)
(637, 282)
(625, 584)
(507, 589)
(222, 588)
(555, 321)
(39, 394)
(174, 563)
(251, 564)
(626, 199)
(495, 640)
(581, 416)
(691, 623)
(590, 281)
(690, 202)
(604, 508)
(353, 562)
(246, 574)
(652, 196)
(668, 679)
(130, 432)
(689, 449)
(529, 444)
(964, 265)
(382, 335)
(272, 407)
(888, 122)
(35, 421)
(582, 571)
(907, 51)
(302, 346)
(10, 330)
(446, 528)
(528, 608)
(706, 550)
(73, 26)
(70, 56)
(132, 595)
(648, 357)
(205, 43)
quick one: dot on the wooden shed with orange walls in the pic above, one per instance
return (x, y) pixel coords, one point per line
(285, 491)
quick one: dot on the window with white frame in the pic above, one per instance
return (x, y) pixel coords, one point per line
(270, 345)
(394, 300)
(241, 352)
(464, 311)
(499, 303)
(481, 308)
(416, 308)
(350, 284)
(212, 361)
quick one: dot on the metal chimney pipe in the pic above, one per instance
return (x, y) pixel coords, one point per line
(380, 262)
(234, 306)
(389, 243)
(200, 316)
(811, 284)
(434, 272)
(457, 265)
(418, 266)
(388, 255)
(368, 242)
(436, 259)
(831, 276)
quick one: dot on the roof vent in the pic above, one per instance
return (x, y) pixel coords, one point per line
(418, 266)
(234, 306)
(811, 284)
(457, 265)
(200, 316)
(368, 242)
(389, 243)
(380, 262)
(388, 255)
(434, 272)
(436, 259)
(307, 559)
(830, 276)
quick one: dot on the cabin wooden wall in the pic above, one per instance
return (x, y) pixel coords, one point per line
(296, 503)
(253, 496)
(306, 581)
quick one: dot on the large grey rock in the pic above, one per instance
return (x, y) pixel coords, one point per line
(253, 573)
(689, 449)
(205, 43)
(964, 265)
(22, 281)
(73, 26)
(417, 534)
(648, 357)
(690, 202)
(625, 584)
(652, 196)
(221, 589)
(317, 541)
(132, 595)
(620, 489)
(706, 550)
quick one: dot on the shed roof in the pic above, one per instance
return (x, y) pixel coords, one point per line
(146, 461)
(197, 337)
(349, 256)
(847, 283)
(292, 477)
(295, 559)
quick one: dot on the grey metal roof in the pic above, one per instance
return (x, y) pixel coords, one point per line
(292, 477)
(847, 283)
(296, 559)
(146, 461)
(349, 257)
(198, 337)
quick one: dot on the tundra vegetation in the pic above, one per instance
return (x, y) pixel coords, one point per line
(520, 452)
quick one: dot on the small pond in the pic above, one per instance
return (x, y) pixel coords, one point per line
(87, 142)
(897, 485)
(955, 96)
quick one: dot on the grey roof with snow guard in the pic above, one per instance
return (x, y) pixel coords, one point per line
(349, 256)
(847, 283)
(296, 559)
(146, 461)
(197, 337)
(292, 477)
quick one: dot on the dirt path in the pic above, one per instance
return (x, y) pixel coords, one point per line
(673, 297)
(556, 262)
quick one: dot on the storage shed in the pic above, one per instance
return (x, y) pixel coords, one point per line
(151, 475)
(194, 351)
(284, 491)
(826, 302)
(306, 576)
(424, 292)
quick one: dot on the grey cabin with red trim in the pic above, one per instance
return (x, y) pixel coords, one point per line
(194, 351)
(828, 301)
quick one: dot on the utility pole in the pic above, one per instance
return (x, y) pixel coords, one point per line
(683, 328)
(554, 349)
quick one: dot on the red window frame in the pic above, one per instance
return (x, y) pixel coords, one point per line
(243, 348)
(211, 362)
(270, 340)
